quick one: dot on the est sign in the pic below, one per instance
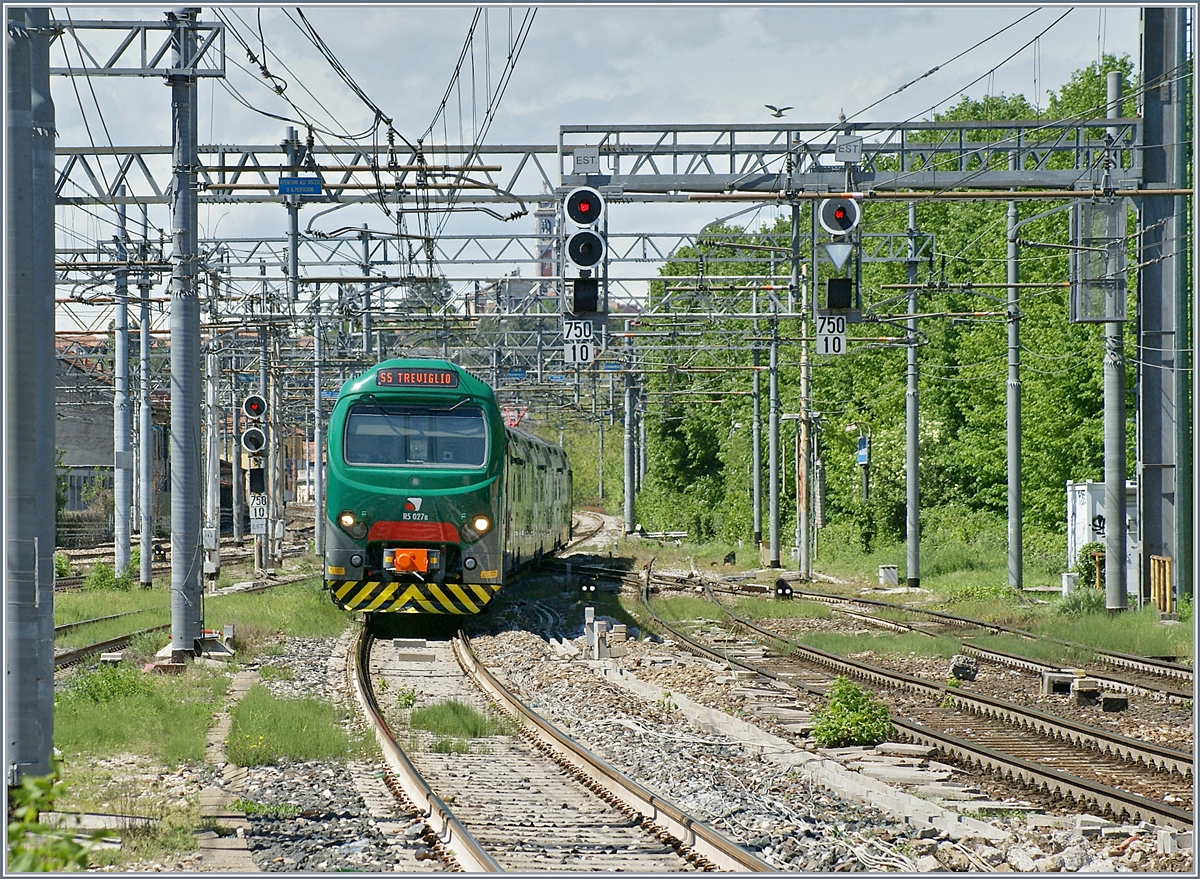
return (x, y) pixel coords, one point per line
(831, 334)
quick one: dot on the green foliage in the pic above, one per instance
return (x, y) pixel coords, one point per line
(1085, 565)
(62, 565)
(105, 684)
(698, 422)
(1184, 609)
(406, 697)
(446, 745)
(268, 730)
(103, 578)
(1082, 600)
(851, 716)
(32, 846)
(269, 810)
(459, 720)
(172, 713)
(275, 673)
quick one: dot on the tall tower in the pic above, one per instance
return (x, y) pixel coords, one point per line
(546, 220)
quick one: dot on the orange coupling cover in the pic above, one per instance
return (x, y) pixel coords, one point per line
(406, 560)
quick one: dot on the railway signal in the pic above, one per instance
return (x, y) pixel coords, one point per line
(839, 216)
(254, 438)
(584, 206)
(254, 406)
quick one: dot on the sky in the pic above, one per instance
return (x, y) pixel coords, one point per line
(581, 64)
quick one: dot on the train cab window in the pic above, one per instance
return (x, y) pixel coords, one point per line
(391, 435)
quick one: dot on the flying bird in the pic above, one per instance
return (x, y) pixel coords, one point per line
(777, 112)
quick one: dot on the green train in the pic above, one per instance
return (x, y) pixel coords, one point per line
(431, 501)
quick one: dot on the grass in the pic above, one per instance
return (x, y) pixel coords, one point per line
(458, 720)
(882, 644)
(115, 710)
(302, 610)
(268, 731)
(771, 609)
(272, 810)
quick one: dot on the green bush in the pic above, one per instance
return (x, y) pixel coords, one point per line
(1082, 600)
(62, 565)
(1086, 566)
(106, 684)
(852, 717)
(1184, 609)
(32, 846)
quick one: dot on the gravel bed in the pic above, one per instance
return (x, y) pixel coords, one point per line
(767, 808)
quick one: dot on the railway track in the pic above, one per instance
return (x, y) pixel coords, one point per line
(65, 658)
(531, 801)
(1038, 750)
(1145, 767)
(1148, 667)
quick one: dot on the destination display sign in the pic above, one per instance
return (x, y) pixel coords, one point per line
(416, 378)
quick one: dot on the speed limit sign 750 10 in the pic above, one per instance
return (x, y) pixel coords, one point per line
(831, 334)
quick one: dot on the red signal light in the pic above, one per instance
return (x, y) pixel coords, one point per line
(583, 206)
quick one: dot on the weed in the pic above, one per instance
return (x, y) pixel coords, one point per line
(172, 713)
(32, 846)
(453, 718)
(62, 565)
(268, 730)
(406, 697)
(666, 703)
(1085, 565)
(852, 716)
(953, 682)
(106, 684)
(1082, 600)
(273, 810)
(947, 702)
(101, 578)
(1184, 609)
(447, 745)
(275, 673)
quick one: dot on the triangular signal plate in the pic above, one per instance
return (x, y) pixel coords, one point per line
(839, 253)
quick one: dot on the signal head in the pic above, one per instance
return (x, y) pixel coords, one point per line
(254, 406)
(254, 440)
(585, 248)
(839, 216)
(583, 206)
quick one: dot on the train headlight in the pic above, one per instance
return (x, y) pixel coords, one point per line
(469, 563)
(481, 524)
(356, 560)
(352, 525)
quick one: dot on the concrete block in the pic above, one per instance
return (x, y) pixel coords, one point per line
(112, 658)
(1114, 702)
(1056, 683)
(409, 643)
(1167, 843)
(1085, 691)
(929, 864)
(1089, 825)
(904, 749)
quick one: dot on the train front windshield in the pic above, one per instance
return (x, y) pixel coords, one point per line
(386, 435)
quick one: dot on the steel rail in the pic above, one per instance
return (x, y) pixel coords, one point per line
(454, 844)
(1126, 660)
(1053, 781)
(691, 836)
(1003, 658)
(1078, 734)
(70, 657)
